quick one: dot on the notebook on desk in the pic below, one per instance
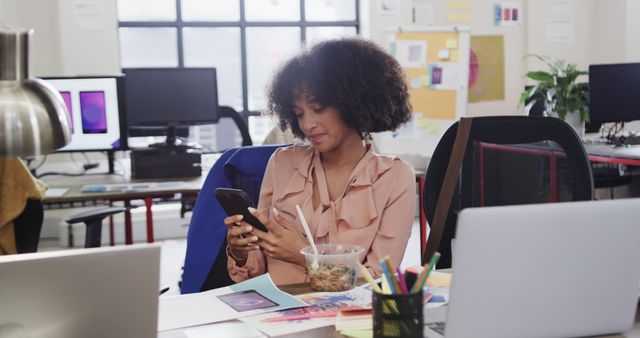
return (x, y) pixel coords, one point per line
(544, 270)
(102, 292)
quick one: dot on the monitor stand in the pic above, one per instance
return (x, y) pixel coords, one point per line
(174, 142)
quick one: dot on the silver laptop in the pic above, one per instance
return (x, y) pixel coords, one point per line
(102, 292)
(544, 270)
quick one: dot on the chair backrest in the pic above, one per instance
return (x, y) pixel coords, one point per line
(228, 112)
(27, 226)
(508, 160)
(205, 262)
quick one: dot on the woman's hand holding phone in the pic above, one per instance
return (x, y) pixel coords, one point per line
(240, 238)
(283, 241)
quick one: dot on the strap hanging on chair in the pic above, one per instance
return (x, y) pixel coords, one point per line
(448, 186)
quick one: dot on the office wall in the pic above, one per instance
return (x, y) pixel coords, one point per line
(46, 55)
(603, 32)
(480, 23)
(64, 41)
(90, 36)
(632, 30)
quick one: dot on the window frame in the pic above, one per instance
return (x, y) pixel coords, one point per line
(242, 24)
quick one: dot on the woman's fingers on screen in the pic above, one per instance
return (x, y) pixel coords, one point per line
(233, 220)
(265, 220)
(241, 229)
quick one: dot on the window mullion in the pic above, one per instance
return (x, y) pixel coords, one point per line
(243, 55)
(179, 33)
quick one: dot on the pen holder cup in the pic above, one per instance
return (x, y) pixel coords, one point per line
(397, 315)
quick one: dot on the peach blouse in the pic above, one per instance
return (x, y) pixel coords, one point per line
(376, 210)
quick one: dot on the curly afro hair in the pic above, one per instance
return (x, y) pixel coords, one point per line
(364, 83)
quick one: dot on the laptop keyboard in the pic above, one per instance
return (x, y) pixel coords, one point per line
(438, 327)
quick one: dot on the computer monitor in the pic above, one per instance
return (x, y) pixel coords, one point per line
(614, 92)
(171, 97)
(95, 111)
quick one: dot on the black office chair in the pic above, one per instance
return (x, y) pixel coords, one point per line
(188, 202)
(228, 112)
(93, 221)
(27, 227)
(508, 160)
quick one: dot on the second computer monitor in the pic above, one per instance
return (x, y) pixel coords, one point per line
(614, 93)
(94, 110)
(171, 97)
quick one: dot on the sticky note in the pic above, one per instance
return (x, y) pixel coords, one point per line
(451, 43)
(439, 279)
(455, 55)
(443, 54)
(424, 80)
(416, 82)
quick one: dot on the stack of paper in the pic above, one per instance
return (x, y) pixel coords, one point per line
(251, 297)
(354, 320)
(325, 307)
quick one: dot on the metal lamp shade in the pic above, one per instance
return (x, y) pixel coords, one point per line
(33, 116)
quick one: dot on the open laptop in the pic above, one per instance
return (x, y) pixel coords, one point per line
(544, 270)
(101, 292)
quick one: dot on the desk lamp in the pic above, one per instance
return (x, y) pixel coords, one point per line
(33, 116)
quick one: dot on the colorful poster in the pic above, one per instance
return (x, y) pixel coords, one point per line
(411, 53)
(507, 14)
(486, 68)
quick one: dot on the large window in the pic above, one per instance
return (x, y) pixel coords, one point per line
(246, 40)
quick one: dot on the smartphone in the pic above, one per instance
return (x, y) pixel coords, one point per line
(236, 202)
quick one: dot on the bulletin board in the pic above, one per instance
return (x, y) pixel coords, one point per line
(436, 64)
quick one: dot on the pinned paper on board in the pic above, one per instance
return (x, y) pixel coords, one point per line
(411, 53)
(460, 17)
(424, 80)
(418, 126)
(486, 68)
(460, 4)
(443, 54)
(444, 75)
(416, 82)
(389, 12)
(451, 43)
(455, 55)
(424, 13)
(559, 31)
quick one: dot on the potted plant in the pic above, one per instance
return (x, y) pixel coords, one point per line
(561, 94)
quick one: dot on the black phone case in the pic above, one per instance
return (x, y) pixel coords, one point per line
(236, 202)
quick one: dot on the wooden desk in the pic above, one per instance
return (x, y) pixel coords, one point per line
(74, 195)
(329, 331)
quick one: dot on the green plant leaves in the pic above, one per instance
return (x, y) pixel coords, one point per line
(558, 89)
(540, 76)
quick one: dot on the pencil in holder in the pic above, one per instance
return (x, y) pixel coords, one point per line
(397, 315)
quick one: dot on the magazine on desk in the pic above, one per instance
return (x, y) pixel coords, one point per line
(322, 311)
(254, 296)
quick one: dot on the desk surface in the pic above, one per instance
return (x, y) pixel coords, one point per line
(599, 152)
(329, 331)
(74, 194)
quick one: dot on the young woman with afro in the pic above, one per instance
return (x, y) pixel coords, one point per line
(332, 96)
